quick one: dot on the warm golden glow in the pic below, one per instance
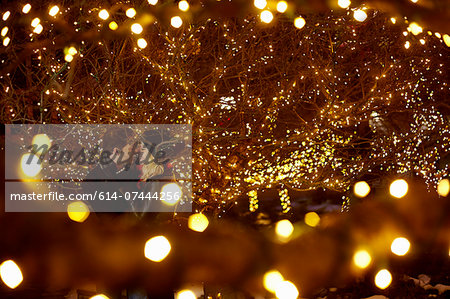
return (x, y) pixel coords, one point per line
(172, 193)
(4, 31)
(35, 22)
(266, 16)
(6, 41)
(400, 246)
(272, 279)
(103, 14)
(100, 296)
(6, 15)
(393, 20)
(299, 22)
(361, 189)
(398, 188)
(113, 25)
(282, 6)
(78, 211)
(152, 2)
(38, 29)
(183, 5)
(142, 43)
(72, 51)
(11, 274)
(68, 57)
(53, 10)
(33, 168)
(284, 228)
(312, 219)
(41, 140)
(261, 4)
(360, 15)
(136, 28)
(344, 3)
(157, 248)
(414, 28)
(176, 22)
(26, 8)
(198, 222)
(383, 279)
(131, 12)
(185, 294)
(407, 45)
(286, 290)
(362, 259)
(443, 187)
(446, 39)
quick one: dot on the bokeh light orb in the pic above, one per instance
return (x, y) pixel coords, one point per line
(361, 189)
(271, 279)
(398, 188)
(198, 222)
(11, 274)
(284, 228)
(383, 279)
(157, 248)
(400, 246)
(362, 259)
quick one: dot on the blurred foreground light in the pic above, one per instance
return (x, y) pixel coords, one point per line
(261, 4)
(286, 290)
(6, 15)
(407, 45)
(53, 10)
(383, 279)
(157, 248)
(360, 15)
(26, 8)
(78, 211)
(446, 39)
(299, 22)
(398, 188)
(362, 259)
(272, 279)
(393, 20)
(185, 294)
(100, 296)
(312, 219)
(68, 57)
(131, 12)
(176, 22)
(152, 2)
(136, 28)
(11, 274)
(361, 189)
(6, 41)
(400, 246)
(38, 29)
(30, 165)
(72, 51)
(142, 43)
(443, 187)
(344, 3)
(174, 190)
(266, 16)
(103, 14)
(35, 22)
(284, 228)
(4, 31)
(198, 222)
(113, 25)
(282, 6)
(414, 28)
(183, 5)
(41, 140)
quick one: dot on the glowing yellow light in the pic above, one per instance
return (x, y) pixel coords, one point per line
(103, 14)
(172, 193)
(157, 248)
(68, 57)
(137, 28)
(38, 29)
(198, 222)
(312, 219)
(400, 246)
(41, 140)
(4, 31)
(286, 290)
(6, 15)
(414, 28)
(266, 16)
(407, 45)
(282, 6)
(362, 259)
(53, 10)
(6, 41)
(142, 43)
(176, 22)
(446, 39)
(284, 228)
(100, 296)
(35, 22)
(414, 1)
(393, 20)
(11, 274)
(26, 8)
(422, 41)
(72, 51)
(152, 2)
(299, 22)
(183, 5)
(272, 279)
(361, 189)
(443, 187)
(398, 188)
(437, 34)
(131, 12)
(78, 211)
(360, 15)
(33, 168)
(344, 3)
(383, 279)
(113, 25)
(260, 3)
(185, 294)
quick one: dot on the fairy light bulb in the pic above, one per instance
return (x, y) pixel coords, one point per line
(136, 28)
(266, 16)
(183, 5)
(360, 15)
(53, 10)
(361, 189)
(142, 43)
(400, 246)
(176, 21)
(103, 14)
(344, 3)
(383, 279)
(282, 6)
(130, 12)
(26, 8)
(299, 22)
(260, 4)
(398, 188)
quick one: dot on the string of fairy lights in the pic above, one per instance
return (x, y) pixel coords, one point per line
(297, 128)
